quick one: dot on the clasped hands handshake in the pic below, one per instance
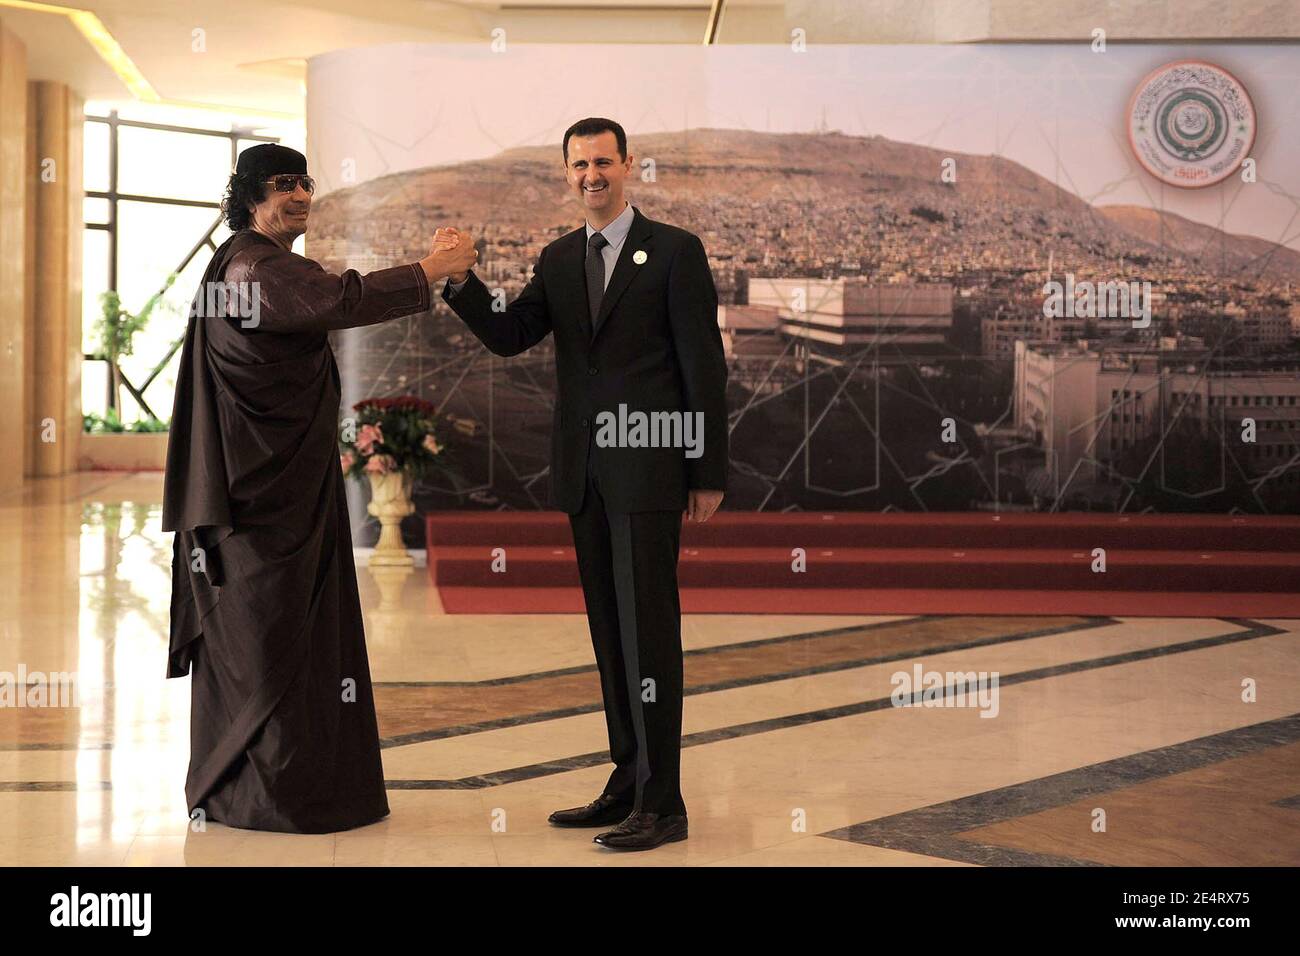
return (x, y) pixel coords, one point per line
(452, 256)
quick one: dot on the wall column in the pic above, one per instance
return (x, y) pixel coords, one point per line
(54, 208)
(13, 252)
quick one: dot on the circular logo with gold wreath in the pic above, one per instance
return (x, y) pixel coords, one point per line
(1191, 123)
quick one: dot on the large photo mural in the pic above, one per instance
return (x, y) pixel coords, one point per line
(1011, 278)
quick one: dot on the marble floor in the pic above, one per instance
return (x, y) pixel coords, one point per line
(1105, 741)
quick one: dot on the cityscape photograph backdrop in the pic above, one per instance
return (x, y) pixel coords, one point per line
(882, 224)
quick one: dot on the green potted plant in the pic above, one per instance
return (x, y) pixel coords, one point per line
(107, 441)
(115, 331)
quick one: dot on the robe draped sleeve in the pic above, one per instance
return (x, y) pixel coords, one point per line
(225, 365)
(294, 294)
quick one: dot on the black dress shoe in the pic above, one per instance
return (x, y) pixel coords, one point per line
(644, 831)
(601, 812)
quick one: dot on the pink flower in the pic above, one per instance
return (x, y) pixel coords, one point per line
(347, 460)
(368, 437)
(431, 444)
(381, 464)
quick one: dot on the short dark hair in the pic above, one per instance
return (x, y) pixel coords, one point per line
(590, 127)
(242, 190)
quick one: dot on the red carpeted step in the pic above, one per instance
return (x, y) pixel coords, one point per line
(875, 568)
(869, 529)
(871, 563)
(511, 600)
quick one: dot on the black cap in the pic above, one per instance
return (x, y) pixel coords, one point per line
(270, 159)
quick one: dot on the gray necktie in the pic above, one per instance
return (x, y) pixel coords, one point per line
(595, 274)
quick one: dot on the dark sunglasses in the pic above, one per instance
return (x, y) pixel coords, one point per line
(288, 182)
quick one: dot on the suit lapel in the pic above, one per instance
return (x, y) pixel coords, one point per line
(571, 251)
(625, 270)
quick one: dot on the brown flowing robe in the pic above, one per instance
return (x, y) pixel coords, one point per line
(265, 613)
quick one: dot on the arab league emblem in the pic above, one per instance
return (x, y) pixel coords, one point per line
(639, 257)
(1191, 123)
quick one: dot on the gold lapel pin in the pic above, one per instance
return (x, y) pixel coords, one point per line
(639, 257)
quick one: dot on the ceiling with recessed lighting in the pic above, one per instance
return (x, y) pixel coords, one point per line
(250, 56)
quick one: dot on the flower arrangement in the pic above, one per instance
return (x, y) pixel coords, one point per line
(390, 435)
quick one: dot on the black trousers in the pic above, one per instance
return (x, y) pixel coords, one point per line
(628, 565)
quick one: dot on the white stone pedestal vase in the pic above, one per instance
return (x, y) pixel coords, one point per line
(390, 502)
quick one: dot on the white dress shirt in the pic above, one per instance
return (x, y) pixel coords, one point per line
(615, 234)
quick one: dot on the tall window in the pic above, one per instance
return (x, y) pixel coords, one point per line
(154, 181)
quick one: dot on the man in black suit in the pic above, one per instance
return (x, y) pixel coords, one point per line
(639, 440)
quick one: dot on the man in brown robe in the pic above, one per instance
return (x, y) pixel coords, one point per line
(265, 614)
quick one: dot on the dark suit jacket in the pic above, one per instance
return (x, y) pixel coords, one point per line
(655, 348)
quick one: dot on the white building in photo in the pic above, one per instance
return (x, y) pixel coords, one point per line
(1081, 403)
(856, 313)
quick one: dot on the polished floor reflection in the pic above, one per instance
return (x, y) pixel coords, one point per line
(1107, 741)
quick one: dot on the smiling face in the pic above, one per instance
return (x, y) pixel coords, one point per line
(596, 173)
(282, 214)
